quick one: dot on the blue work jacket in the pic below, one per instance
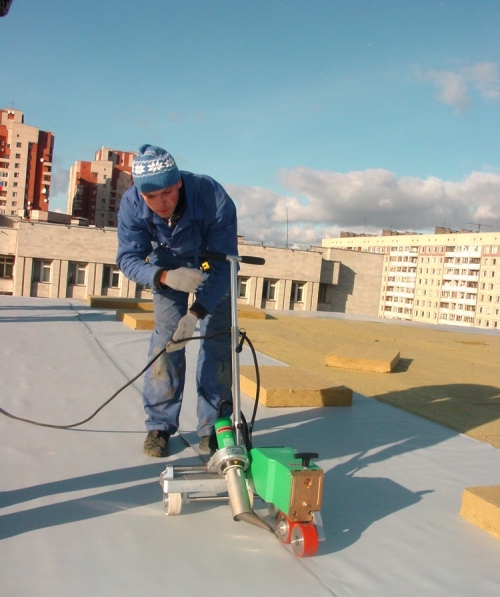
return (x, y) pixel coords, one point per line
(146, 244)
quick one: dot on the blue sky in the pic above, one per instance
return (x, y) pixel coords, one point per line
(332, 115)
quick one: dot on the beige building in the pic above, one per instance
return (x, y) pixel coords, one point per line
(448, 277)
(25, 165)
(60, 256)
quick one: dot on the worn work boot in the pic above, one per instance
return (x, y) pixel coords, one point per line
(208, 443)
(156, 443)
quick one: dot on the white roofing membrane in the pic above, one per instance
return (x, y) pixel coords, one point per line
(81, 510)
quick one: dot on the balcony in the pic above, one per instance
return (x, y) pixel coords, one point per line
(470, 276)
(455, 322)
(399, 294)
(469, 254)
(457, 309)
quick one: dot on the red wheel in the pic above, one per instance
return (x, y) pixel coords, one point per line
(304, 539)
(284, 528)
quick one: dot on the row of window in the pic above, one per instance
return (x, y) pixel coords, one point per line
(487, 249)
(4, 184)
(445, 317)
(77, 274)
(269, 290)
(16, 165)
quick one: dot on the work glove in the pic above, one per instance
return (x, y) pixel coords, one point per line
(186, 279)
(185, 329)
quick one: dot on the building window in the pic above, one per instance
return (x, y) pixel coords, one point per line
(6, 266)
(41, 270)
(242, 287)
(76, 273)
(322, 296)
(297, 295)
(269, 290)
(110, 276)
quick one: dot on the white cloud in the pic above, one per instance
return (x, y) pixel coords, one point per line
(321, 203)
(486, 79)
(60, 178)
(456, 87)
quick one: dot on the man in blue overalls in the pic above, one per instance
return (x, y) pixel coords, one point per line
(165, 221)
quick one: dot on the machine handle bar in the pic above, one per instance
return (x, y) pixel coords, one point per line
(212, 255)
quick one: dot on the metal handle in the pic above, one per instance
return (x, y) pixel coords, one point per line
(214, 256)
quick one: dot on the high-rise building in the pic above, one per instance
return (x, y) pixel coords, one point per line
(25, 165)
(96, 188)
(450, 277)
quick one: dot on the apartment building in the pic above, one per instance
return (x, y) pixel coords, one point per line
(449, 277)
(96, 187)
(25, 165)
(61, 256)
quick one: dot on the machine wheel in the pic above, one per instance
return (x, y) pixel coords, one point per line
(284, 528)
(304, 539)
(172, 503)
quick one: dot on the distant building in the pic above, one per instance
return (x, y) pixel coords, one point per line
(25, 165)
(60, 256)
(96, 187)
(450, 277)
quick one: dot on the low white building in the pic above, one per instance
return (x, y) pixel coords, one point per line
(67, 259)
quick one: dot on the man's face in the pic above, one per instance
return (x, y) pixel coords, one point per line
(164, 201)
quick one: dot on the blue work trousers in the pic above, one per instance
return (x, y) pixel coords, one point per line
(164, 380)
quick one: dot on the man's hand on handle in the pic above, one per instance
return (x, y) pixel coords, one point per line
(185, 279)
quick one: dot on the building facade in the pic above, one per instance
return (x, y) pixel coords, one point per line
(96, 187)
(449, 277)
(25, 165)
(60, 256)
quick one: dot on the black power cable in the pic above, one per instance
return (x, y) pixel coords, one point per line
(131, 381)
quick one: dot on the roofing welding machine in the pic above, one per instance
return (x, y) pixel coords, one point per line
(289, 483)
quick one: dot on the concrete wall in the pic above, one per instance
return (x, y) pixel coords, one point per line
(347, 281)
(71, 243)
(359, 282)
(351, 280)
(60, 245)
(8, 241)
(284, 266)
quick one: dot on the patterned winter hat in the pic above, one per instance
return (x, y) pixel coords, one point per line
(154, 169)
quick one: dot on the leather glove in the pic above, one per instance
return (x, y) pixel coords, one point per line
(186, 279)
(185, 329)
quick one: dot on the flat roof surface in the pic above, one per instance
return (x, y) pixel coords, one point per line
(448, 374)
(82, 513)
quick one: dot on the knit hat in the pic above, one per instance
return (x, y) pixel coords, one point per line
(154, 169)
